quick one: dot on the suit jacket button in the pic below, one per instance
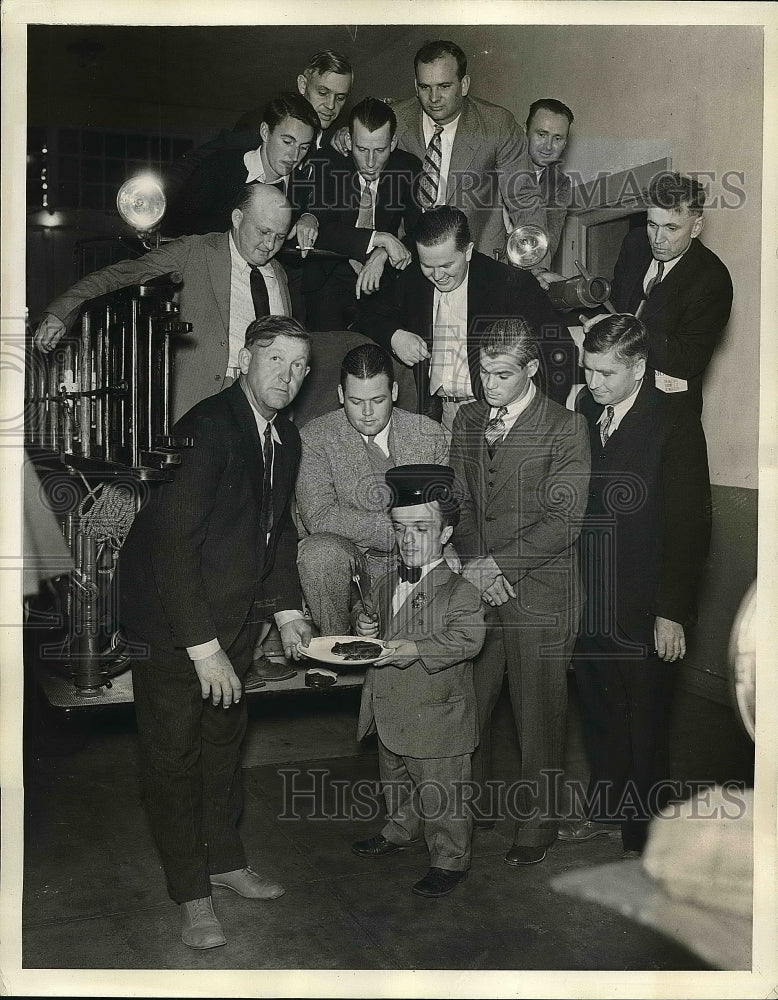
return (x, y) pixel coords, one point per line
(223, 343)
(217, 378)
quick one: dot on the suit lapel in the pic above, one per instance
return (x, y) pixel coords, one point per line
(251, 449)
(465, 146)
(283, 286)
(219, 264)
(666, 289)
(426, 591)
(524, 435)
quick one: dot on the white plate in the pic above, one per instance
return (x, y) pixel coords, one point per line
(321, 649)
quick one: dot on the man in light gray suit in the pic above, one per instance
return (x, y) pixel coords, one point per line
(482, 152)
(219, 297)
(342, 496)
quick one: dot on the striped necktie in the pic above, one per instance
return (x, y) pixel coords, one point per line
(605, 425)
(365, 217)
(430, 174)
(495, 430)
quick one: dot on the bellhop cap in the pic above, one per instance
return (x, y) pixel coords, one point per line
(418, 484)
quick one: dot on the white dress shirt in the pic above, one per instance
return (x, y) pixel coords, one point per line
(653, 268)
(381, 439)
(404, 587)
(446, 144)
(242, 305)
(449, 368)
(254, 163)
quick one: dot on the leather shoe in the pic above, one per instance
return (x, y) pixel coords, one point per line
(248, 883)
(265, 669)
(578, 831)
(519, 855)
(199, 927)
(438, 882)
(376, 847)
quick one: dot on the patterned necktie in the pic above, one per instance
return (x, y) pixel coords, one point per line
(266, 514)
(650, 287)
(605, 425)
(408, 574)
(365, 217)
(430, 173)
(259, 294)
(495, 430)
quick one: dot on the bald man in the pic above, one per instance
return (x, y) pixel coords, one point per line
(227, 280)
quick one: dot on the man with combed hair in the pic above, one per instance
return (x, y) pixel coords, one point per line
(271, 153)
(209, 559)
(434, 314)
(522, 467)
(677, 286)
(341, 494)
(222, 277)
(548, 130)
(644, 544)
(361, 203)
(325, 83)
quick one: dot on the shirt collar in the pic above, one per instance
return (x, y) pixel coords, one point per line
(619, 409)
(518, 406)
(262, 422)
(430, 125)
(427, 568)
(381, 439)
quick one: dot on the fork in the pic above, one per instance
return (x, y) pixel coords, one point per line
(356, 579)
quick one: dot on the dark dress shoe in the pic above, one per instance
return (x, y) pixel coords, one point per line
(438, 882)
(376, 847)
(580, 830)
(518, 855)
(265, 669)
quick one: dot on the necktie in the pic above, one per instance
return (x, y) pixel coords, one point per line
(365, 217)
(495, 430)
(605, 425)
(650, 287)
(266, 514)
(430, 172)
(408, 574)
(259, 294)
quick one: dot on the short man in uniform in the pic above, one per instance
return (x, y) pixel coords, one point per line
(418, 696)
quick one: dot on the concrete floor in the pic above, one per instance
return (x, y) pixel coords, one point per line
(94, 893)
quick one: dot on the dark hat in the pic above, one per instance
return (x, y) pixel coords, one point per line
(417, 484)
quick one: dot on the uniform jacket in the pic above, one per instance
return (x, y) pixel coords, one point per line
(202, 264)
(427, 709)
(195, 559)
(336, 488)
(490, 168)
(647, 525)
(524, 507)
(685, 312)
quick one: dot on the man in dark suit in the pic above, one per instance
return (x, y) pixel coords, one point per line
(643, 546)
(434, 314)
(522, 468)
(360, 204)
(688, 305)
(203, 202)
(208, 561)
(220, 275)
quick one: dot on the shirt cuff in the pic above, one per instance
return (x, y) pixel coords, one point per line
(371, 243)
(284, 617)
(203, 649)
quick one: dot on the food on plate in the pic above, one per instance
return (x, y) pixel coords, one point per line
(357, 650)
